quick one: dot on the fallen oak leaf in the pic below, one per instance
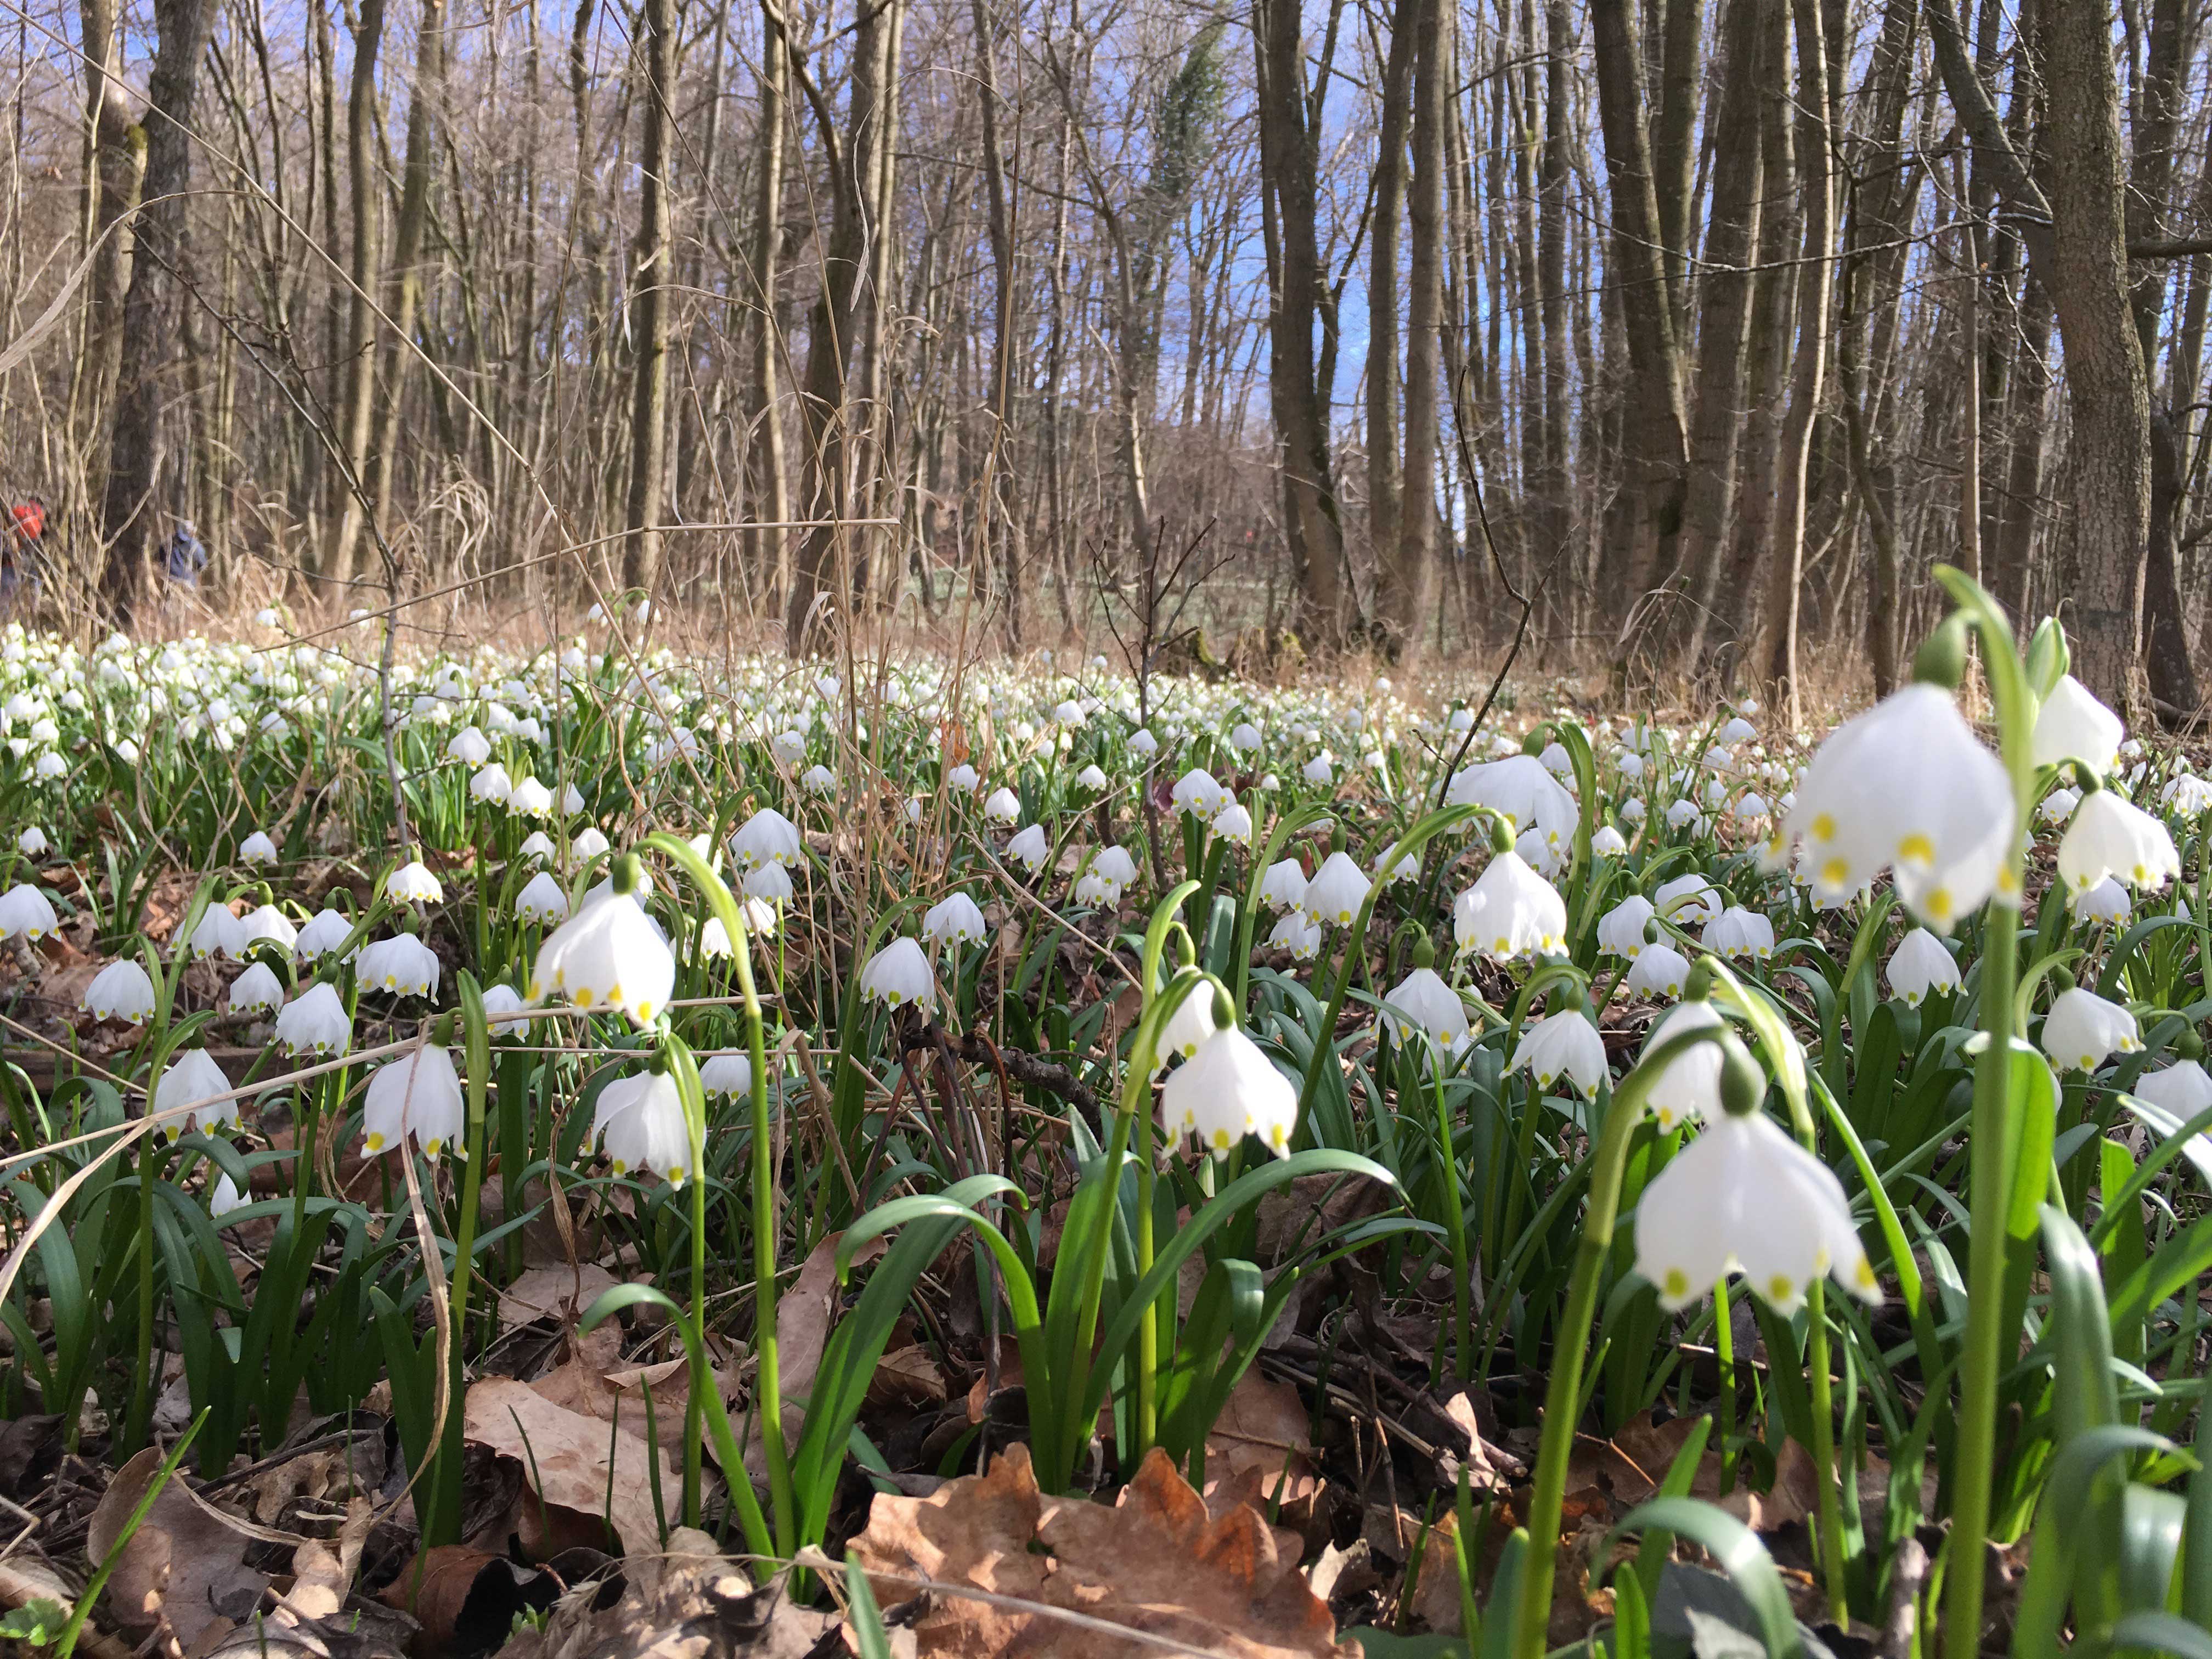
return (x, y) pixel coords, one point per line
(465, 1598)
(185, 1563)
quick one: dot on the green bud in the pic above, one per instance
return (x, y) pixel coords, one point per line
(1501, 833)
(1699, 986)
(1225, 1011)
(2061, 982)
(2085, 775)
(628, 873)
(442, 1034)
(1338, 840)
(1943, 660)
(1743, 1085)
(1651, 934)
(1532, 742)
(2189, 1045)
(2048, 658)
(1424, 954)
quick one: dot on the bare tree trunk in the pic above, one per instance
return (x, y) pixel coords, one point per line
(424, 107)
(152, 318)
(1817, 181)
(651, 296)
(357, 404)
(1408, 585)
(771, 492)
(1003, 543)
(1386, 479)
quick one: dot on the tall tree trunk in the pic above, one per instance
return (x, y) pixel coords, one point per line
(771, 492)
(118, 154)
(1386, 481)
(651, 291)
(424, 106)
(1407, 578)
(153, 312)
(1003, 543)
(1817, 181)
(357, 397)
(1298, 401)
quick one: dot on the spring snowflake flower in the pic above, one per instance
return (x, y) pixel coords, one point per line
(1116, 868)
(2187, 794)
(819, 781)
(529, 799)
(2072, 725)
(1142, 742)
(1233, 823)
(1620, 931)
(727, 1075)
(1607, 842)
(1318, 771)
(1744, 935)
(898, 976)
(587, 844)
(641, 1122)
(413, 884)
(1336, 892)
(504, 1010)
(766, 837)
(469, 746)
(1743, 1198)
(491, 786)
(24, 910)
(193, 1082)
(1295, 933)
(536, 848)
(1540, 855)
(219, 933)
(256, 991)
(1750, 807)
(315, 1023)
(323, 932)
(1689, 900)
(2107, 902)
(1187, 1026)
(954, 920)
(713, 942)
(1511, 911)
(608, 955)
(1906, 785)
(223, 1197)
(1659, 970)
(2109, 837)
(1244, 738)
(122, 990)
(964, 779)
(1091, 779)
(256, 848)
(1520, 788)
(266, 922)
(51, 766)
(1227, 1089)
(1566, 1044)
(417, 1095)
(1030, 848)
(1003, 805)
(541, 901)
(770, 884)
(401, 965)
(2082, 1030)
(1422, 1001)
(2182, 1090)
(1689, 1090)
(2058, 805)
(33, 843)
(1196, 794)
(1283, 885)
(1685, 815)
(1921, 963)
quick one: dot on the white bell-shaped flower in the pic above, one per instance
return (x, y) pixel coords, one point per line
(1318, 771)
(955, 919)
(1689, 1090)
(727, 1075)
(1740, 934)
(2072, 725)
(2182, 1090)
(1424, 1002)
(417, 1095)
(1189, 1024)
(2082, 1030)
(819, 780)
(712, 942)
(1538, 853)
(2058, 805)
(1234, 823)
(1283, 885)
(1198, 794)
(898, 977)
(193, 1082)
(1683, 814)
(766, 837)
(608, 955)
(587, 843)
(1689, 900)
(1093, 889)
(1906, 785)
(964, 779)
(529, 799)
(223, 1197)
(1228, 1090)
(315, 1022)
(491, 786)
(1743, 1198)
(1511, 911)
(1620, 931)
(1003, 805)
(641, 1122)
(256, 848)
(1030, 847)
(1563, 1045)
(122, 990)
(1244, 738)
(541, 902)
(1922, 962)
(1115, 867)
(1660, 970)
(2187, 794)
(1520, 788)
(1295, 933)
(401, 965)
(469, 746)
(266, 922)
(1336, 893)
(2110, 837)
(218, 933)
(2107, 902)
(413, 884)
(1090, 779)
(770, 883)
(505, 1011)
(33, 843)
(256, 991)
(1608, 842)
(324, 931)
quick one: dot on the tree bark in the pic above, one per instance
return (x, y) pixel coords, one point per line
(424, 107)
(651, 296)
(357, 397)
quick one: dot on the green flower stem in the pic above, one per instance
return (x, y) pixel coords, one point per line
(443, 1525)
(684, 1069)
(1609, 1165)
(1827, 1506)
(1983, 1358)
(1454, 1212)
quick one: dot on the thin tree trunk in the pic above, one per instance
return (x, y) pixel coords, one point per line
(357, 401)
(651, 296)
(424, 107)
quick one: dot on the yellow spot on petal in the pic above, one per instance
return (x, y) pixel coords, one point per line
(621, 1168)
(1938, 904)
(1221, 1141)
(431, 1146)
(1824, 828)
(374, 1143)
(1863, 1275)
(1779, 1289)
(1915, 849)
(1678, 1282)
(1836, 872)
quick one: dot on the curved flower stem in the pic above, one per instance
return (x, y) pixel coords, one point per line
(1609, 1164)
(1991, 1145)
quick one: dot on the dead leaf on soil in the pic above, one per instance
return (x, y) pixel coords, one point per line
(1156, 1562)
(185, 1563)
(560, 1294)
(1259, 1445)
(804, 1316)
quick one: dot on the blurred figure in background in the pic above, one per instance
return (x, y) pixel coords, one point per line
(22, 556)
(184, 555)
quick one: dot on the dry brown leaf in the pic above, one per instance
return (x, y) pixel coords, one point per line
(322, 1577)
(184, 1563)
(1156, 1562)
(575, 1462)
(803, 1314)
(562, 1293)
(1259, 1445)
(466, 1599)
(907, 1377)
